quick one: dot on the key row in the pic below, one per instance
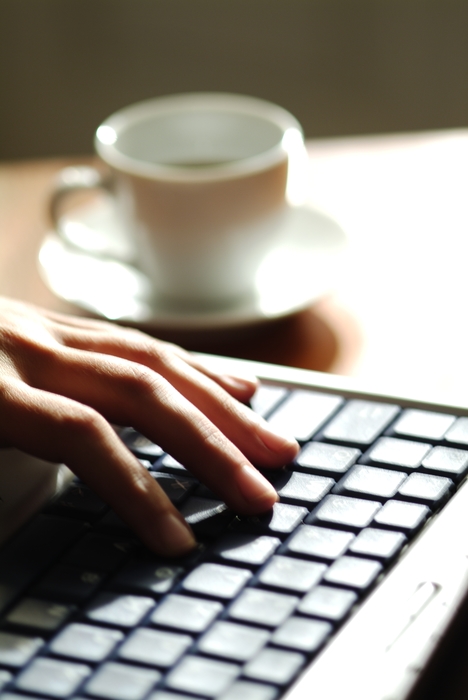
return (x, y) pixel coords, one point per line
(196, 675)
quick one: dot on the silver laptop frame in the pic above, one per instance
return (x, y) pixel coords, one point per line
(382, 650)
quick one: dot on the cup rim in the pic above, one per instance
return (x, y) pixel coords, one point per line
(195, 101)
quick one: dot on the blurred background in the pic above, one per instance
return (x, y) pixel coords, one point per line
(341, 66)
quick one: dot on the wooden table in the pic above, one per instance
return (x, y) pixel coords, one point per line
(398, 310)
(308, 339)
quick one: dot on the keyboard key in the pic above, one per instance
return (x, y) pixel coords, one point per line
(165, 695)
(154, 647)
(290, 574)
(68, 583)
(119, 610)
(98, 552)
(248, 691)
(30, 552)
(426, 425)
(5, 678)
(282, 519)
(370, 481)
(303, 413)
(121, 682)
(113, 523)
(147, 577)
(321, 457)
(401, 515)
(199, 676)
(263, 607)
(321, 542)
(16, 650)
(446, 461)
(189, 614)
(302, 634)
(145, 463)
(330, 603)
(42, 615)
(402, 454)
(301, 489)
(344, 511)
(232, 641)
(78, 501)
(458, 432)
(204, 492)
(140, 445)
(353, 572)
(176, 487)
(86, 642)
(51, 677)
(216, 580)
(250, 550)
(381, 544)
(266, 398)
(275, 666)
(360, 423)
(171, 465)
(206, 517)
(426, 488)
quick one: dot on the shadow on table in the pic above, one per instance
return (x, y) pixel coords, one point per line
(303, 340)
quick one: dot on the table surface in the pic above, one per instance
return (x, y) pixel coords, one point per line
(397, 308)
(396, 314)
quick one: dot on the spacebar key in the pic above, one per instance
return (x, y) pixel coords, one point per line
(36, 546)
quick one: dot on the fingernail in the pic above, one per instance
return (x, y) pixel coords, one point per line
(276, 441)
(254, 487)
(177, 535)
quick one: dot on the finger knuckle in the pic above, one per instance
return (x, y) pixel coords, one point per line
(83, 424)
(139, 381)
(142, 349)
(27, 353)
(155, 354)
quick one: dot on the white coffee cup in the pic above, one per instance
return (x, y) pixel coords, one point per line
(202, 183)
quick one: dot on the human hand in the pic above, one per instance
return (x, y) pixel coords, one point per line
(64, 380)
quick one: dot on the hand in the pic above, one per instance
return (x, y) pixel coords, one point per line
(63, 380)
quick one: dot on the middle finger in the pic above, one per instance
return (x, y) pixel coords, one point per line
(130, 394)
(247, 430)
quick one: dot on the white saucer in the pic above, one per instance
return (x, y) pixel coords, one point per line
(298, 271)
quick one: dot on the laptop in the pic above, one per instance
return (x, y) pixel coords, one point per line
(349, 589)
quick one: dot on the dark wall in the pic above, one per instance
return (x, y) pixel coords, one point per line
(342, 66)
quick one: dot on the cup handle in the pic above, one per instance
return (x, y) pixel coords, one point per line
(81, 178)
(72, 179)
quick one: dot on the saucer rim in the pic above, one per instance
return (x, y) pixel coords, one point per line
(244, 314)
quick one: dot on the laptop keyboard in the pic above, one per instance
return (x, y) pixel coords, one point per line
(88, 612)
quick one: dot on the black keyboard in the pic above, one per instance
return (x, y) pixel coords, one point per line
(87, 611)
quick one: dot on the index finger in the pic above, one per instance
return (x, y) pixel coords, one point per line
(64, 431)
